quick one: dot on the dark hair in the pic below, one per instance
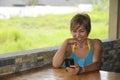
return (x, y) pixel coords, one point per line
(81, 19)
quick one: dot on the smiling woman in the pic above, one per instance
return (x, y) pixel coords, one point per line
(85, 52)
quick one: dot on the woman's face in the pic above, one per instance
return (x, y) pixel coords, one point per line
(80, 33)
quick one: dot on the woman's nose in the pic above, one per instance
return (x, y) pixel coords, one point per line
(77, 34)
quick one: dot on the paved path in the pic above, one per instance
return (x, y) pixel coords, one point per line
(7, 12)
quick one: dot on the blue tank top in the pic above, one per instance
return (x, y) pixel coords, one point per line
(83, 61)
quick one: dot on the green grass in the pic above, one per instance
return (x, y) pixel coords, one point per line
(45, 31)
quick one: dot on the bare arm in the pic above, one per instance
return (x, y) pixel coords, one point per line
(60, 54)
(97, 48)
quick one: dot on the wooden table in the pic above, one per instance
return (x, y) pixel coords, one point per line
(48, 73)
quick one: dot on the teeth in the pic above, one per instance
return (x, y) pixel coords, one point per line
(79, 38)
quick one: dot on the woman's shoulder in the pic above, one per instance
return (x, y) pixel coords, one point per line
(96, 41)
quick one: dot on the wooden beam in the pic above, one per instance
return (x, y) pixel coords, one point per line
(113, 19)
(118, 21)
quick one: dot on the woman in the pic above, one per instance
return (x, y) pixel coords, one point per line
(85, 52)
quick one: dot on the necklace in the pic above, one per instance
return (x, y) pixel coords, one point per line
(75, 46)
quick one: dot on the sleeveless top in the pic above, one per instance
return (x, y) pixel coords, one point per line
(83, 61)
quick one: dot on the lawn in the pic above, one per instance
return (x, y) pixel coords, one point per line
(24, 33)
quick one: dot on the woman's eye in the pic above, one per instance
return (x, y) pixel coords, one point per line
(81, 31)
(74, 31)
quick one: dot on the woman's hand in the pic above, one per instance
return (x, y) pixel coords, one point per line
(74, 69)
(72, 41)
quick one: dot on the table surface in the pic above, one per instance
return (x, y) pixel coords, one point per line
(48, 73)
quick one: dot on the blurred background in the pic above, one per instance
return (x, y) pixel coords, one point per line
(31, 24)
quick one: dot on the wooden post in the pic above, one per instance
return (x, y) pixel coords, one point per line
(114, 31)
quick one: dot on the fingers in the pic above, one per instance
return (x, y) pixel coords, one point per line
(73, 69)
(75, 65)
(72, 41)
(72, 66)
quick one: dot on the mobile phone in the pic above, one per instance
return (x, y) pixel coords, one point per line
(68, 62)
